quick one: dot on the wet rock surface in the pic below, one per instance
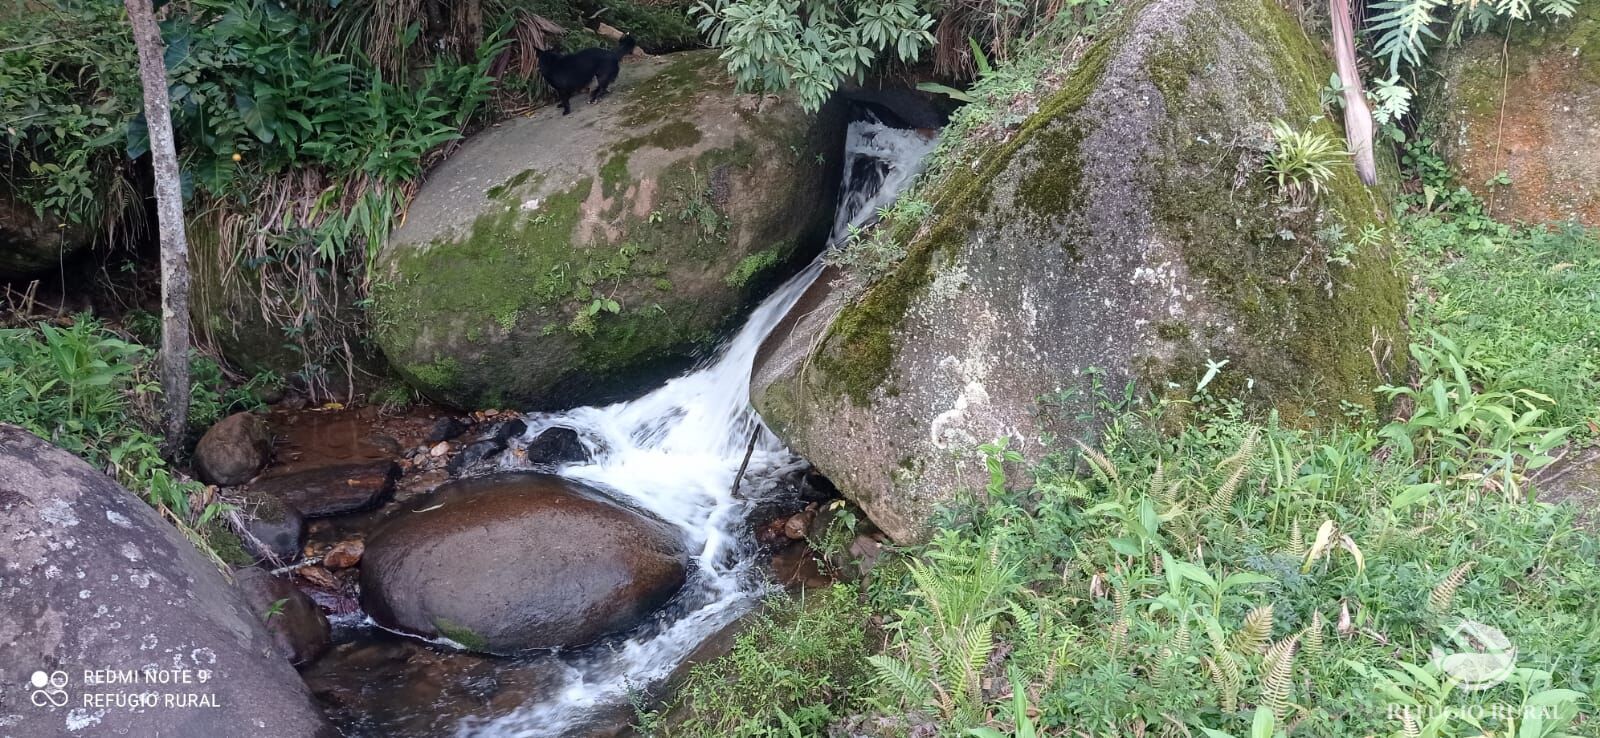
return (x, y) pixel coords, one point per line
(331, 490)
(445, 429)
(556, 446)
(516, 561)
(233, 450)
(91, 578)
(299, 629)
(397, 687)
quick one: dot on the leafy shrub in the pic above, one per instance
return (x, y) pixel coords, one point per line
(90, 392)
(68, 86)
(93, 393)
(773, 45)
(248, 79)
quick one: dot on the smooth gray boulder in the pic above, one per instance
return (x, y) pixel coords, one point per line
(101, 600)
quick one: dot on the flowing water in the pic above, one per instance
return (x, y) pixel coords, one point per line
(676, 452)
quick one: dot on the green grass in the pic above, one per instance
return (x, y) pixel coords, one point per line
(94, 393)
(1126, 589)
(1527, 301)
(793, 670)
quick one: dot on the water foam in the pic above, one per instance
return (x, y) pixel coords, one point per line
(676, 452)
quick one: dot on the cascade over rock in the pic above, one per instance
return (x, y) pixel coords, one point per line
(1125, 232)
(1528, 106)
(560, 260)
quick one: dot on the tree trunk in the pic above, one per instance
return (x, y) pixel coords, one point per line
(1357, 116)
(169, 214)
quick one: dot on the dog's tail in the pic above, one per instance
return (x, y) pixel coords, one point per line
(626, 45)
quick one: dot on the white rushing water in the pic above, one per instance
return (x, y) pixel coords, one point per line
(676, 451)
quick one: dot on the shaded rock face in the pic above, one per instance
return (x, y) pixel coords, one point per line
(1127, 227)
(332, 490)
(279, 527)
(233, 450)
(30, 245)
(91, 578)
(517, 561)
(255, 326)
(299, 629)
(1533, 113)
(559, 260)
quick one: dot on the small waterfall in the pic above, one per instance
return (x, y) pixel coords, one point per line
(676, 452)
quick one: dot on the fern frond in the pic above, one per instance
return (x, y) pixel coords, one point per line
(1444, 593)
(1278, 672)
(1182, 640)
(979, 644)
(903, 678)
(1297, 541)
(1225, 679)
(1312, 635)
(1238, 464)
(1402, 28)
(1157, 488)
(1102, 466)
(1408, 725)
(1252, 636)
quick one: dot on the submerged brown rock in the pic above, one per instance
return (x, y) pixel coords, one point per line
(517, 561)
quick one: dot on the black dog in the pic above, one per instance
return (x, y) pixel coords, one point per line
(569, 73)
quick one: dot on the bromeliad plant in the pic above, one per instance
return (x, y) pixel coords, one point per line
(1303, 161)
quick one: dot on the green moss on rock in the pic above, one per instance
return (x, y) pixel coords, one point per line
(469, 639)
(566, 288)
(860, 348)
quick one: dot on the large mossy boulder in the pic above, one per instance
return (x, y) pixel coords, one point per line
(31, 245)
(558, 260)
(112, 624)
(1528, 107)
(1126, 232)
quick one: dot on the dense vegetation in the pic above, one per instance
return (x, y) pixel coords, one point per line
(92, 391)
(1228, 575)
(1204, 571)
(302, 129)
(1199, 571)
